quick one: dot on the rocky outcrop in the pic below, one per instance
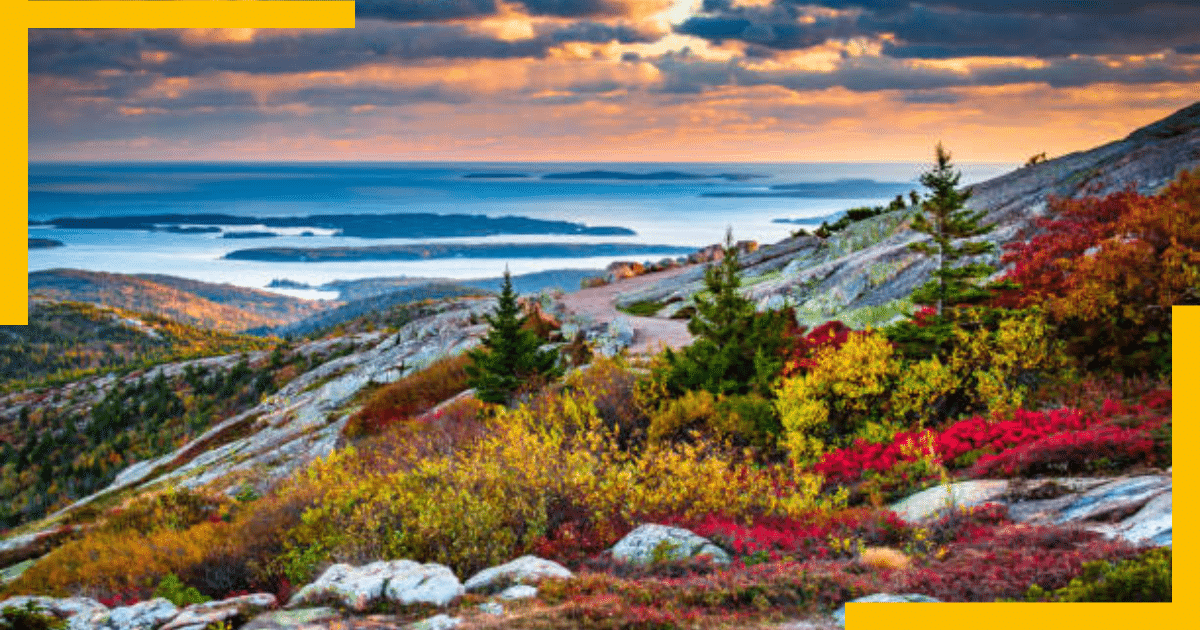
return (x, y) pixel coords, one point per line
(230, 611)
(652, 542)
(304, 419)
(82, 613)
(399, 581)
(1136, 509)
(884, 598)
(863, 273)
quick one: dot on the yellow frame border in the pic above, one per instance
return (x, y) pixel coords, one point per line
(143, 14)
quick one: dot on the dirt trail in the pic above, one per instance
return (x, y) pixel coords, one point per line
(598, 304)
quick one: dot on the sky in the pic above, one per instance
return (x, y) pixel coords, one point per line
(623, 80)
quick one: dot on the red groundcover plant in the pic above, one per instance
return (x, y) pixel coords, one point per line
(1032, 441)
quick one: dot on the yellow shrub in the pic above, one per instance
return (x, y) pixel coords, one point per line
(997, 363)
(694, 411)
(107, 563)
(487, 502)
(845, 389)
(921, 386)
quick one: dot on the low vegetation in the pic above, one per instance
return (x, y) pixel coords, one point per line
(780, 443)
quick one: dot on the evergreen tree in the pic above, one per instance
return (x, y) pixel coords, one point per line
(944, 218)
(509, 358)
(736, 350)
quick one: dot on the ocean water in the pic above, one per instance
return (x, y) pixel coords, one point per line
(693, 211)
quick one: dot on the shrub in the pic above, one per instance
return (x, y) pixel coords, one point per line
(1091, 450)
(1002, 563)
(410, 396)
(106, 563)
(177, 509)
(1146, 578)
(29, 617)
(1108, 271)
(174, 591)
(846, 388)
(531, 480)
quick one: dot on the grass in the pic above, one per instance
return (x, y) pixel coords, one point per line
(642, 308)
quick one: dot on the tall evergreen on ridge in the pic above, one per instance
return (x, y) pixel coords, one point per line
(510, 357)
(736, 349)
(944, 217)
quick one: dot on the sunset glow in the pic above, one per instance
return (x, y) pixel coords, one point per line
(654, 80)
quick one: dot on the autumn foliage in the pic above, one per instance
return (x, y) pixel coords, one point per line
(1108, 270)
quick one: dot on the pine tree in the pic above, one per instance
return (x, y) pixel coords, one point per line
(510, 357)
(736, 350)
(944, 217)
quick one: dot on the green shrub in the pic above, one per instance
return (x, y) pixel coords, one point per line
(29, 617)
(1146, 578)
(174, 591)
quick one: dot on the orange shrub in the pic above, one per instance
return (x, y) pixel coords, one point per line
(107, 563)
(411, 395)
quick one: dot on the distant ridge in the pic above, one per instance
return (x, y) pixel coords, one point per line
(222, 307)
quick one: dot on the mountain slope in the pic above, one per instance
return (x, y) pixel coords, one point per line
(222, 307)
(864, 273)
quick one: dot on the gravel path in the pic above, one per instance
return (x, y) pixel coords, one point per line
(598, 305)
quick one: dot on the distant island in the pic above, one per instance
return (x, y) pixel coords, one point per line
(399, 225)
(44, 243)
(659, 175)
(495, 175)
(249, 235)
(811, 220)
(452, 250)
(284, 283)
(841, 189)
(191, 229)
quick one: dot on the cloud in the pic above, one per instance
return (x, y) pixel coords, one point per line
(947, 29)
(683, 74)
(424, 10)
(442, 10)
(179, 53)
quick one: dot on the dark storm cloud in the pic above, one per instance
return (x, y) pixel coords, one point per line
(423, 10)
(686, 75)
(83, 53)
(945, 29)
(437, 10)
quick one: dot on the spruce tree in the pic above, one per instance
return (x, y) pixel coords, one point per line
(736, 350)
(946, 220)
(510, 357)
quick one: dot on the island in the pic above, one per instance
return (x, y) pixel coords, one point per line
(841, 189)
(396, 225)
(496, 175)
(44, 243)
(249, 235)
(656, 176)
(429, 251)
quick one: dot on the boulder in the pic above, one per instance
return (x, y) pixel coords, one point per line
(82, 613)
(402, 581)
(523, 570)
(143, 615)
(291, 619)
(436, 622)
(840, 615)
(519, 591)
(670, 543)
(932, 502)
(200, 616)
(428, 584)
(491, 608)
